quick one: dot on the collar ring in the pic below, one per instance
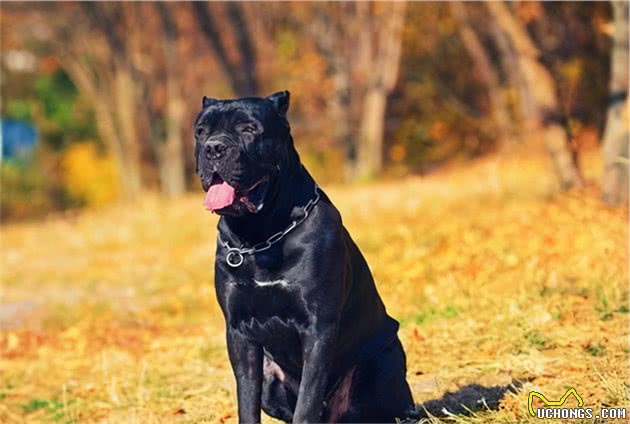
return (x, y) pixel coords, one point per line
(234, 258)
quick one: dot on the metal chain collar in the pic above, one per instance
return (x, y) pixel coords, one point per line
(236, 256)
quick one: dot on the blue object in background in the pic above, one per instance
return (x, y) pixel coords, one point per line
(18, 139)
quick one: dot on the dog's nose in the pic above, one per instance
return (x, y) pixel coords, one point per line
(215, 149)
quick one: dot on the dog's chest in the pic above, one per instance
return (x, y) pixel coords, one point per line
(265, 308)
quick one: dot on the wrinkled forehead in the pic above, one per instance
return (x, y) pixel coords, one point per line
(229, 113)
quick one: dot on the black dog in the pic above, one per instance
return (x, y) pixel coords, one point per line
(308, 336)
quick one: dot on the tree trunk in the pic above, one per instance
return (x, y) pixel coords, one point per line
(540, 84)
(384, 60)
(342, 116)
(370, 148)
(521, 103)
(362, 44)
(242, 75)
(103, 96)
(615, 141)
(170, 154)
(246, 68)
(335, 44)
(125, 111)
(107, 131)
(486, 71)
(108, 80)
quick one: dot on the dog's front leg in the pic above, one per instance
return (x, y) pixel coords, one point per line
(318, 350)
(246, 358)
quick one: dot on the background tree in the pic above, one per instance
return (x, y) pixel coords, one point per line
(548, 117)
(171, 151)
(99, 64)
(362, 44)
(485, 68)
(334, 34)
(134, 87)
(380, 47)
(224, 24)
(615, 140)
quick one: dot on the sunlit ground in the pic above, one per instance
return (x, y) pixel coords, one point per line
(110, 315)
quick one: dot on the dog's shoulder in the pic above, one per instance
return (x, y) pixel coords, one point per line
(326, 219)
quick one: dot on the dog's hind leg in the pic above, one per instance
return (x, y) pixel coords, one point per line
(379, 392)
(278, 394)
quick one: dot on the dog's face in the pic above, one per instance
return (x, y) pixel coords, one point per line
(239, 148)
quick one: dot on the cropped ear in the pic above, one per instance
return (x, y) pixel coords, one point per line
(280, 102)
(207, 101)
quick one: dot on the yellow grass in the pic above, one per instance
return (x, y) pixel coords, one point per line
(110, 315)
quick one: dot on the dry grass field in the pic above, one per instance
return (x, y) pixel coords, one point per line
(496, 277)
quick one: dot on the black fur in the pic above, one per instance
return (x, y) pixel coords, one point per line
(308, 336)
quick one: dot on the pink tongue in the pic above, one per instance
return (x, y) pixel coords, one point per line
(219, 196)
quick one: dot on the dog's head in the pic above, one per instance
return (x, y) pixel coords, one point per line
(240, 147)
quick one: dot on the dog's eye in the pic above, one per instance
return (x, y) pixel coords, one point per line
(200, 131)
(249, 128)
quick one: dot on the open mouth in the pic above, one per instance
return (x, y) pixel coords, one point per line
(222, 195)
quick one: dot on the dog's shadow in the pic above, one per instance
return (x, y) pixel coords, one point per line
(466, 400)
